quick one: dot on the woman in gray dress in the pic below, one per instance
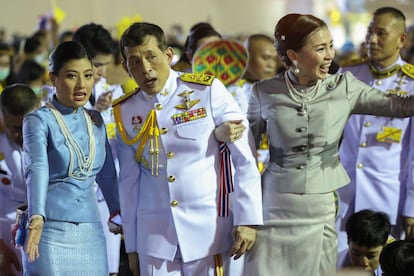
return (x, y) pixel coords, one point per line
(304, 111)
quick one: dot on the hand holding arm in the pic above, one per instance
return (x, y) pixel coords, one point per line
(8, 260)
(34, 233)
(244, 237)
(229, 131)
(115, 223)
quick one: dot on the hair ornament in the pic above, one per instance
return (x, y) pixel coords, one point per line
(283, 37)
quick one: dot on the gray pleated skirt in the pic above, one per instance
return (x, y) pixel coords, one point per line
(298, 237)
(69, 249)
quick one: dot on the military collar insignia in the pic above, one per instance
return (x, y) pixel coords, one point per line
(383, 74)
(187, 102)
(164, 93)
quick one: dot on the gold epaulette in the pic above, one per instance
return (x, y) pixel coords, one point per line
(353, 62)
(124, 97)
(408, 69)
(129, 85)
(197, 78)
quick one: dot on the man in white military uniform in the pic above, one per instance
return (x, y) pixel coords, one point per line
(15, 101)
(377, 152)
(174, 205)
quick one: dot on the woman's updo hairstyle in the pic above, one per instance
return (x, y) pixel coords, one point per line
(292, 32)
(64, 52)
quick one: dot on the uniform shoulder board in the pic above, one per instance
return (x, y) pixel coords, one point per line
(408, 69)
(197, 78)
(124, 97)
(353, 62)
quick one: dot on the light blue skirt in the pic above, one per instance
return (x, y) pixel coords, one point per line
(69, 249)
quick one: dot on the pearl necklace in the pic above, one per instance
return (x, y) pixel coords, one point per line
(85, 163)
(301, 97)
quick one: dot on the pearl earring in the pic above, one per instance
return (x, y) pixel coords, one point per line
(296, 69)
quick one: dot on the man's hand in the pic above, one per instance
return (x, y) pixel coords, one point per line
(408, 225)
(8, 260)
(133, 261)
(104, 101)
(229, 131)
(33, 237)
(244, 237)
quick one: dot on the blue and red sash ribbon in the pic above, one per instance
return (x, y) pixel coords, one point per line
(226, 180)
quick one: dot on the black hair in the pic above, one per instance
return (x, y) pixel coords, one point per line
(32, 44)
(29, 71)
(396, 13)
(397, 258)
(18, 99)
(94, 38)
(7, 49)
(198, 32)
(368, 228)
(64, 52)
(137, 33)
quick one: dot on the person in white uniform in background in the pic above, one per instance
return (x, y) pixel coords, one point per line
(376, 151)
(15, 101)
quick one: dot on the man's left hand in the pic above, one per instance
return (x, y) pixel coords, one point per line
(244, 237)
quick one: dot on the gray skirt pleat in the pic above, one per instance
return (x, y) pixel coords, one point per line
(298, 237)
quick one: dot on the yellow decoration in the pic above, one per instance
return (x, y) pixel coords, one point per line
(389, 135)
(335, 16)
(408, 69)
(125, 22)
(129, 85)
(58, 13)
(124, 97)
(197, 78)
(111, 130)
(149, 131)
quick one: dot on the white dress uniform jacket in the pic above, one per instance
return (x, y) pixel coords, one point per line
(12, 184)
(178, 208)
(12, 188)
(378, 170)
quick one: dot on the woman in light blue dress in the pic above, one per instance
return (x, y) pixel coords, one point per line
(66, 150)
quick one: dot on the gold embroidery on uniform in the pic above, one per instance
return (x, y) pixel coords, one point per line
(188, 103)
(383, 74)
(197, 78)
(149, 130)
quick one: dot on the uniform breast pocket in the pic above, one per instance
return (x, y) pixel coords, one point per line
(196, 131)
